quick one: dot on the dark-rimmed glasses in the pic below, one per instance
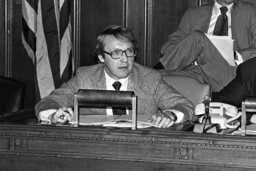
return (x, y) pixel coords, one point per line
(117, 54)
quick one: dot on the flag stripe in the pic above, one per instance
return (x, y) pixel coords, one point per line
(64, 16)
(28, 48)
(44, 72)
(57, 15)
(29, 35)
(30, 13)
(65, 50)
(51, 38)
(68, 69)
(46, 37)
(65, 39)
(32, 3)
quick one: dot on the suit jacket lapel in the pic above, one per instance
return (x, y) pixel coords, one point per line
(234, 20)
(133, 79)
(206, 22)
(99, 80)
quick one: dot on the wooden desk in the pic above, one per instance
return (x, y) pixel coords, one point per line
(37, 147)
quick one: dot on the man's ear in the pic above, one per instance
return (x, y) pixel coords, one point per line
(101, 58)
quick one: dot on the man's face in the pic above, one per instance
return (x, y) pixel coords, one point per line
(225, 2)
(116, 68)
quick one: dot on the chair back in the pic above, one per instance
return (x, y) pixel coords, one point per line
(104, 98)
(189, 87)
(12, 95)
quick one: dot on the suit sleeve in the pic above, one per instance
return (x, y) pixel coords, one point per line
(250, 52)
(235, 92)
(63, 96)
(169, 98)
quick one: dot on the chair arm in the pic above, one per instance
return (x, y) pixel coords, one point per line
(18, 116)
(189, 87)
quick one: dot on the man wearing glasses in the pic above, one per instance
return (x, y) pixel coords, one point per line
(116, 49)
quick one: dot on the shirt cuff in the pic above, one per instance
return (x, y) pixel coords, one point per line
(44, 116)
(238, 58)
(179, 115)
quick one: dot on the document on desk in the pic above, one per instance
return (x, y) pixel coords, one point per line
(225, 46)
(121, 121)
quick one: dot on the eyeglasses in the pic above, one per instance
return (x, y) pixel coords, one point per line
(117, 54)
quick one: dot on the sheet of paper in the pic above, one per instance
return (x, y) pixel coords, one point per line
(96, 119)
(224, 44)
(114, 121)
(127, 124)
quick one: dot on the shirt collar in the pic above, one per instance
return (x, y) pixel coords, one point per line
(216, 8)
(110, 81)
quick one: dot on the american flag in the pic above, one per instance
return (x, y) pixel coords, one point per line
(46, 36)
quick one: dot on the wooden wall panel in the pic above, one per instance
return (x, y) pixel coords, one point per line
(2, 27)
(95, 16)
(22, 67)
(150, 20)
(136, 13)
(166, 16)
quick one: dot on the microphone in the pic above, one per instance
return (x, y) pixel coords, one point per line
(206, 103)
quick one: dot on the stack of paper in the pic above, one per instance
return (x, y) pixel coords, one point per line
(225, 46)
(123, 121)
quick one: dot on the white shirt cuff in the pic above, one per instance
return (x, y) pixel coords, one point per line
(44, 115)
(239, 59)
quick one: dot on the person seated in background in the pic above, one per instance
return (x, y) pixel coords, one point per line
(189, 51)
(116, 49)
(241, 87)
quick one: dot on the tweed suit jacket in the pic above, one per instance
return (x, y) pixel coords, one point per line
(243, 24)
(152, 91)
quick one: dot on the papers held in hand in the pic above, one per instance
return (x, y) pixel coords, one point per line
(224, 44)
(121, 121)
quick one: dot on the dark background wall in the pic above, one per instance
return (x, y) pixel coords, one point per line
(150, 20)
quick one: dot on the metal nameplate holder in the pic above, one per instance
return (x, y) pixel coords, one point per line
(104, 98)
(248, 105)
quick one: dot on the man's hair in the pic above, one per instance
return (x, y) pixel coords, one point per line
(118, 32)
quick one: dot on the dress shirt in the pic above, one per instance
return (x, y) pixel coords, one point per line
(109, 84)
(215, 14)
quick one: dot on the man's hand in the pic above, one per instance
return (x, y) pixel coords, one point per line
(62, 115)
(164, 120)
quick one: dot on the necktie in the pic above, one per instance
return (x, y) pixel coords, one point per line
(118, 110)
(221, 26)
